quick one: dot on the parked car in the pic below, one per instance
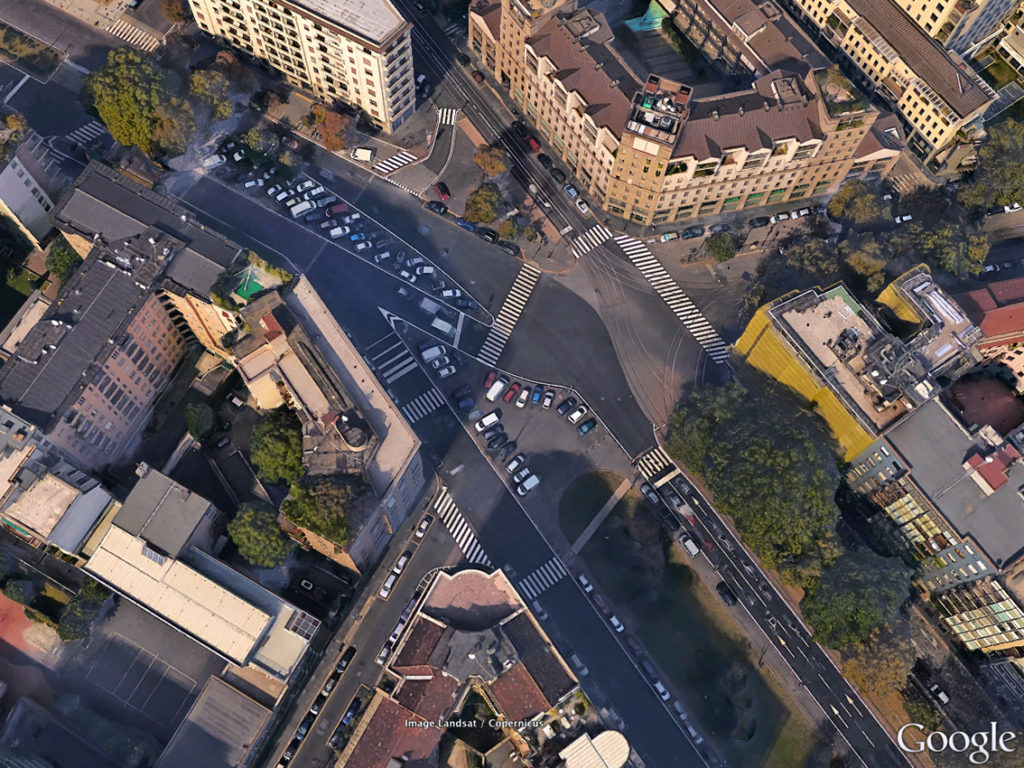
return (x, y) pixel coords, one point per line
(759, 221)
(566, 405)
(904, 218)
(691, 232)
(478, 76)
(558, 175)
(532, 143)
(445, 372)
(537, 396)
(508, 247)
(346, 659)
(523, 398)
(545, 161)
(435, 207)
(652, 496)
(314, 217)
(469, 226)
(273, 190)
(726, 593)
(253, 184)
(783, 216)
(511, 391)
(497, 441)
(578, 414)
(582, 205)
(585, 583)
(488, 234)
(549, 398)
(571, 191)
(506, 450)
(717, 229)
(489, 379)
(401, 562)
(421, 529)
(586, 426)
(516, 464)
(462, 58)
(442, 191)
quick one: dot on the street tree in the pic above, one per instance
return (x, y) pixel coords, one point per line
(881, 665)
(210, 87)
(773, 474)
(334, 128)
(259, 538)
(320, 503)
(173, 126)
(856, 596)
(482, 204)
(175, 11)
(951, 248)
(857, 204)
(61, 259)
(508, 229)
(78, 615)
(256, 139)
(199, 420)
(16, 123)
(125, 93)
(814, 257)
(999, 177)
(276, 447)
(721, 247)
(491, 160)
(865, 257)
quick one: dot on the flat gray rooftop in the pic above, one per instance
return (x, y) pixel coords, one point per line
(375, 20)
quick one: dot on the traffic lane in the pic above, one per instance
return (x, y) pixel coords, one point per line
(51, 109)
(655, 733)
(560, 338)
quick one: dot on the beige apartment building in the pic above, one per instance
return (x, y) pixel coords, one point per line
(939, 98)
(960, 26)
(653, 152)
(355, 51)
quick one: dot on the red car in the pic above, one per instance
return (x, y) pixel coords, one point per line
(334, 210)
(490, 379)
(511, 392)
(478, 76)
(442, 191)
(532, 143)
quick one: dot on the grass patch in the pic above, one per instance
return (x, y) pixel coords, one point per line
(22, 281)
(33, 57)
(583, 499)
(998, 74)
(716, 677)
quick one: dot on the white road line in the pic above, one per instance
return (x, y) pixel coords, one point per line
(86, 133)
(508, 315)
(394, 162)
(460, 529)
(542, 578)
(422, 404)
(133, 35)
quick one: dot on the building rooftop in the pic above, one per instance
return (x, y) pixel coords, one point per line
(942, 456)
(219, 730)
(374, 20)
(577, 45)
(518, 694)
(608, 749)
(998, 310)
(944, 72)
(981, 400)
(385, 738)
(161, 512)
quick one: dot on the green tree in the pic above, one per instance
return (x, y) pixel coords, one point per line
(529, 233)
(865, 257)
(952, 248)
(19, 590)
(721, 247)
(508, 229)
(126, 93)
(173, 126)
(814, 257)
(881, 665)
(999, 178)
(78, 615)
(319, 504)
(61, 259)
(199, 419)
(289, 159)
(923, 713)
(858, 204)
(17, 123)
(210, 87)
(858, 594)
(491, 160)
(174, 11)
(482, 204)
(770, 472)
(276, 447)
(256, 139)
(258, 537)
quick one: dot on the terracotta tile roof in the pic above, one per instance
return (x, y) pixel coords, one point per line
(998, 310)
(983, 400)
(490, 13)
(518, 694)
(956, 84)
(420, 641)
(741, 119)
(386, 736)
(433, 698)
(994, 472)
(1007, 291)
(543, 665)
(588, 67)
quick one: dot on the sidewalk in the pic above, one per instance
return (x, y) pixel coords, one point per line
(594, 524)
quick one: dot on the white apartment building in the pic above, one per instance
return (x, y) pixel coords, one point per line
(355, 51)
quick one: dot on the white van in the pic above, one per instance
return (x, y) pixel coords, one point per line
(431, 353)
(496, 389)
(337, 232)
(689, 544)
(528, 485)
(389, 584)
(300, 208)
(489, 420)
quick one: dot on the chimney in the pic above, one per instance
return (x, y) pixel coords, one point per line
(766, 105)
(714, 114)
(741, 110)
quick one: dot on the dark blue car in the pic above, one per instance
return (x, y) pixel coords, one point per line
(469, 226)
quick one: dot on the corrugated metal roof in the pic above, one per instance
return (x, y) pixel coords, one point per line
(182, 596)
(162, 512)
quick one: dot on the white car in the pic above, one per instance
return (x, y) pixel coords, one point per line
(273, 190)
(383, 656)
(388, 585)
(283, 195)
(253, 183)
(447, 371)
(421, 529)
(585, 583)
(238, 156)
(516, 464)
(904, 219)
(582, 205)
(616, 624)
(801, 213)
(1011, 207)
(661, 690)
(578, 414)
(362, 245)
(401, 562)
(779, 217)
(524, 396)
(304, 185)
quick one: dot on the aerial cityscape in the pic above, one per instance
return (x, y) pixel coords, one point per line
(503, 383)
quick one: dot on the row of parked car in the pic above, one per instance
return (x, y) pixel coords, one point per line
(484, 233)
(318, 703)
(496, 386)
(491, 430)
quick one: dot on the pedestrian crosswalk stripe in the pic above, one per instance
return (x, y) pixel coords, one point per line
(460, 529)
(542, 578)
(394, 162)
(428, 402)
(449, 116)
(508, 315)
(590, 240)
(133, 35)
(680, 304)
(394, 361)
(654, 463)
(86, 133)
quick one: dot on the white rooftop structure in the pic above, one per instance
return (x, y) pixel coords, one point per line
(375, 20)
(608, 749)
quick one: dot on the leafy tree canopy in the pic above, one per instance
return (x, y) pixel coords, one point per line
(482, 204)
(881, 665)
(126, 93)
(856, 596)
(508, 229)
(276, 447)
(62, 260)
(334, 127)
(173, 125)
(721, 247)
(814, 257)
(199, 420)
(258, 537)
(319, 505)
(769, 472)
(210, 87)
(491, 160)
(858, 204)
(78, 615)
(865, 256)
(174, 11)
(951, 248)
(999, 178)
(256, 139)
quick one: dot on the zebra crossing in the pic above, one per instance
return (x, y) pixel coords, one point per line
(545, 576)
(421, 405)
(460, 530)
(590, 240)
(509, 313)
(680, 304)
(454, 31)
(133, 35)
(394, 361)
(86, 133)
(449, 116)
(654, 464)
(394, 162)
